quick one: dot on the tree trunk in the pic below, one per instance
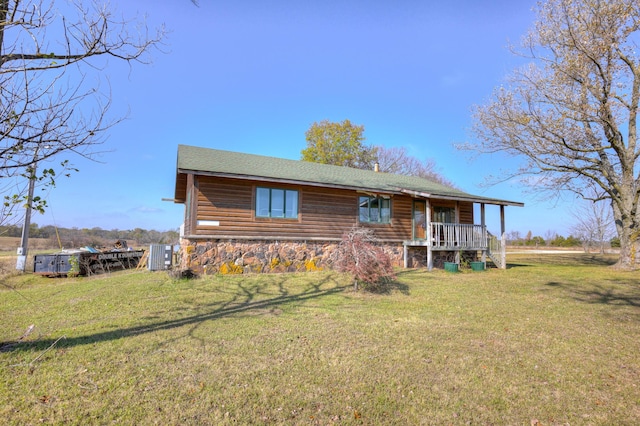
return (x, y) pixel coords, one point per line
(628, 232)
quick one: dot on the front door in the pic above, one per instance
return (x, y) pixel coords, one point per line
(419, 220)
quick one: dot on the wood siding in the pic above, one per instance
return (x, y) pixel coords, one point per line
(190, 204)
(466, 212)
(323, 213)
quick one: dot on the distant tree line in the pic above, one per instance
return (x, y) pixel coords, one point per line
(94, 237)
(552, 239)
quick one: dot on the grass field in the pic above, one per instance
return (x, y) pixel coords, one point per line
(553, 340)
(8, 245)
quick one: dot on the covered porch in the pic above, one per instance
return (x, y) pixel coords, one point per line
(447, 234)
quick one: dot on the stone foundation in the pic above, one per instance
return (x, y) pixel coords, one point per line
(255, 257)
(243, 257)
(418, 257)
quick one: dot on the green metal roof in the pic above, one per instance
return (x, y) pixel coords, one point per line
(209, 161)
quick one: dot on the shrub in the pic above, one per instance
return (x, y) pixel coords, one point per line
(359, 255)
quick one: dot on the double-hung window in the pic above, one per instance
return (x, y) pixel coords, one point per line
(276, 203)
(374, 209)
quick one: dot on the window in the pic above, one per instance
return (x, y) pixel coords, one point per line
(375, 209)
(444, 214)
(278, 203)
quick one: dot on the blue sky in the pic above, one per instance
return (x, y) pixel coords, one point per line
(252, 76)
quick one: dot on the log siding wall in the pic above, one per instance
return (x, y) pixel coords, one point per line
(323, 213)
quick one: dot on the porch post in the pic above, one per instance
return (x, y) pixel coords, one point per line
(455, 233)
(456, 238)
(503, 238)
(483, 223)
(429, 237)
(406, 255)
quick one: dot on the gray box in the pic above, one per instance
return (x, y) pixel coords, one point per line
(160, 257)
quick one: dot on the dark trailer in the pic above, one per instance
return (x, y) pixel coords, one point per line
(85, 262)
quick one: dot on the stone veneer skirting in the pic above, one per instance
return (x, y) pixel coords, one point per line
(252, 256)
(418, 257)
(226, 256)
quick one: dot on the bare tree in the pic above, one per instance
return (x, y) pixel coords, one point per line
(397, 160)
(549, 236)
(360, 255)
(51, 102)
(572, 113)
(514, 238)
(594, 224)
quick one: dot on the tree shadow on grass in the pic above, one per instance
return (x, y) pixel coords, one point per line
(511, 265)
(387, 288)
(580, 259)
(616, 293)
(561, 259)
(247, 299)
(395, 284)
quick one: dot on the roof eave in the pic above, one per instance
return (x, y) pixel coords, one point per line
(421, 194)
(468, 198)
(288, 181)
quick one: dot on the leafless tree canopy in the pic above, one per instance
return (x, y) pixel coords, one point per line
(593, 224)
(571, 114)
(398, 161)
(360, 255)
(51, 99)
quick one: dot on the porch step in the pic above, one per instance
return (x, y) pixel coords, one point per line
(495, 251)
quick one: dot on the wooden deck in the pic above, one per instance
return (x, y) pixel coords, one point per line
(454, 236)
(458, 237)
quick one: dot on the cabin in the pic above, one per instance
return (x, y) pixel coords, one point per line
(248, 213)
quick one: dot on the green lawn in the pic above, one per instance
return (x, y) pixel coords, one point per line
(554, 339)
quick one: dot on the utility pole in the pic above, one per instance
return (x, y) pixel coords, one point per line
(24, 239)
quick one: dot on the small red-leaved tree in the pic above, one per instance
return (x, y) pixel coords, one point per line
(359, 255)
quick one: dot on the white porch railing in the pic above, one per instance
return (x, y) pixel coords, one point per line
(456, 236)
(496, 251)
(461, 237)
